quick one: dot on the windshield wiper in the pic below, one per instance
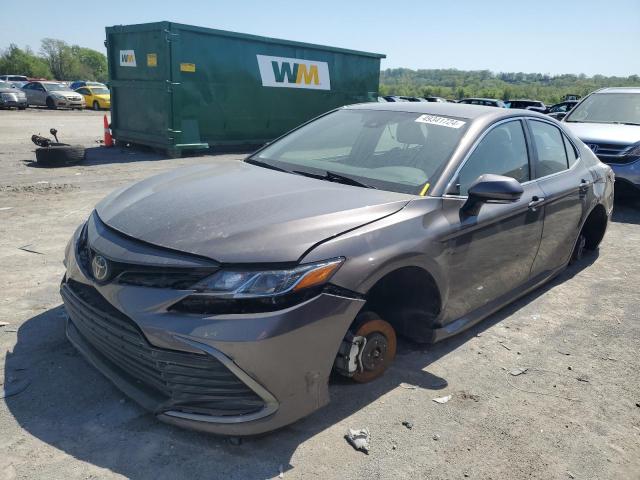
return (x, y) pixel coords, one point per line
(626, 123)
(261, 163)
(335, 177)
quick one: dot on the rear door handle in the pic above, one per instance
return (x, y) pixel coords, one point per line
(535, 202)
(584, 185)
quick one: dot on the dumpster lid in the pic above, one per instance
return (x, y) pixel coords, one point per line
(225, 33)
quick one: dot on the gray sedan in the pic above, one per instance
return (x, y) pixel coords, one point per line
(52, 95)
(12, 97)
(220, 297)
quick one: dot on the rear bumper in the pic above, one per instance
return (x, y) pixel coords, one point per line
(277, 363)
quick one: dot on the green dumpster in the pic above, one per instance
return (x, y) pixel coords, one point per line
(178, 87)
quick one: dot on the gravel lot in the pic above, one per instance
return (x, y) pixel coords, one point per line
(574, 414)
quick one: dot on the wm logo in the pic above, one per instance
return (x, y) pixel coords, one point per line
(293, 73)
(296, 74)
(127, 58)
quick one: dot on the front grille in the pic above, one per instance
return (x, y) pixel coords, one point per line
(182, 381)
(143, 275)
(611, 152)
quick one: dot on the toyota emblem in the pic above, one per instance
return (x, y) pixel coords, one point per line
(100, 268)
(593, 147)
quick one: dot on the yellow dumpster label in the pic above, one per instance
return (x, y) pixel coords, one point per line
(152, 60)
(187, 67)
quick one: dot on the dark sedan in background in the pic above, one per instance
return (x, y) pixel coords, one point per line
(487, 102)
(221, 296)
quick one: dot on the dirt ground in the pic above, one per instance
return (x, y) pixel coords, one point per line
(575, 413)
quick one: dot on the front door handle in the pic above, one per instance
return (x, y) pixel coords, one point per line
(535, 202)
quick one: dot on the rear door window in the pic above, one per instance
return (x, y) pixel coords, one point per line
(549, 143)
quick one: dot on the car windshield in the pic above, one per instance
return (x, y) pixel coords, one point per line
(56, 87)
(396, 151)
(99, 91)
(608, 108)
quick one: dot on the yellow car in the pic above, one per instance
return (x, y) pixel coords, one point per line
(96, 97)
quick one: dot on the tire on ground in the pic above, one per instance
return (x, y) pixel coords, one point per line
(58, 155)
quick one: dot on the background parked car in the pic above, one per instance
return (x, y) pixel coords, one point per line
(52, 95)
(12, 97)
(559, 110)
(435, 99)
(401, 98)
(525, 104)
(85, 83)
(18, 80)
(487, 102)
(96, 97)
(608, 121)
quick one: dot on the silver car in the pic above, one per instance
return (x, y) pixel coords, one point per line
(12, 97)
(52, 95)
(608, 121)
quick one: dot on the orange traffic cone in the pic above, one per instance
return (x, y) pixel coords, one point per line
(108, 139)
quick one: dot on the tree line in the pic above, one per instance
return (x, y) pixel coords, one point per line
(457, 84)
(55, 60)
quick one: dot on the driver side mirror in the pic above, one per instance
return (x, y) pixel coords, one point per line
(490, 188)
(560, 115)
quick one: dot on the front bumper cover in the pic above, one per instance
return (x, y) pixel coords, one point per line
(284, 357)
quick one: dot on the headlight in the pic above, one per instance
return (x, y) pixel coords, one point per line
(238, 284)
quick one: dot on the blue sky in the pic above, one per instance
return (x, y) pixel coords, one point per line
(561, 36)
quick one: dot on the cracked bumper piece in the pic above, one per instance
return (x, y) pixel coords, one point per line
(238, 387)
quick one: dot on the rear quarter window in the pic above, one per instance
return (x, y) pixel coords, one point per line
(549, 142)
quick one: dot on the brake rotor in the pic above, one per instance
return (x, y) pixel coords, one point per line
(378, 351)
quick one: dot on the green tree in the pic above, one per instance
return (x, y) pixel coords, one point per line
(16, 61)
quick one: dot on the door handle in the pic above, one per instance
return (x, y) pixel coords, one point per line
(584, 185)
(535, 201)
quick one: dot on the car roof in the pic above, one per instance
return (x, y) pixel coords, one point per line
(619, 90)
(480, 98)
(524, 100)
(461, 110)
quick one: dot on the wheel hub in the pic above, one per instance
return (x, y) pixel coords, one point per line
(374, 351)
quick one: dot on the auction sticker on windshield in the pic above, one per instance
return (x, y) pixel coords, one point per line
(442, 121)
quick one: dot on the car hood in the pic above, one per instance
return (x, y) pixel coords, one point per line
(605, 132)
(234, 212)
(11, 90)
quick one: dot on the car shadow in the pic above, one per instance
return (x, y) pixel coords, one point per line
(70, 406)
(626, 209)
(101, 155)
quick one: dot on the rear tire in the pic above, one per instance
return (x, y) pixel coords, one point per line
(59, 155)
(380, 348)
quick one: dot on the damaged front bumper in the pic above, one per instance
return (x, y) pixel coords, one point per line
(240, 374)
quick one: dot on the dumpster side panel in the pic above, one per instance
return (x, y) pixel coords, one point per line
(221, 98)
(180, 87)
(139, 66)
